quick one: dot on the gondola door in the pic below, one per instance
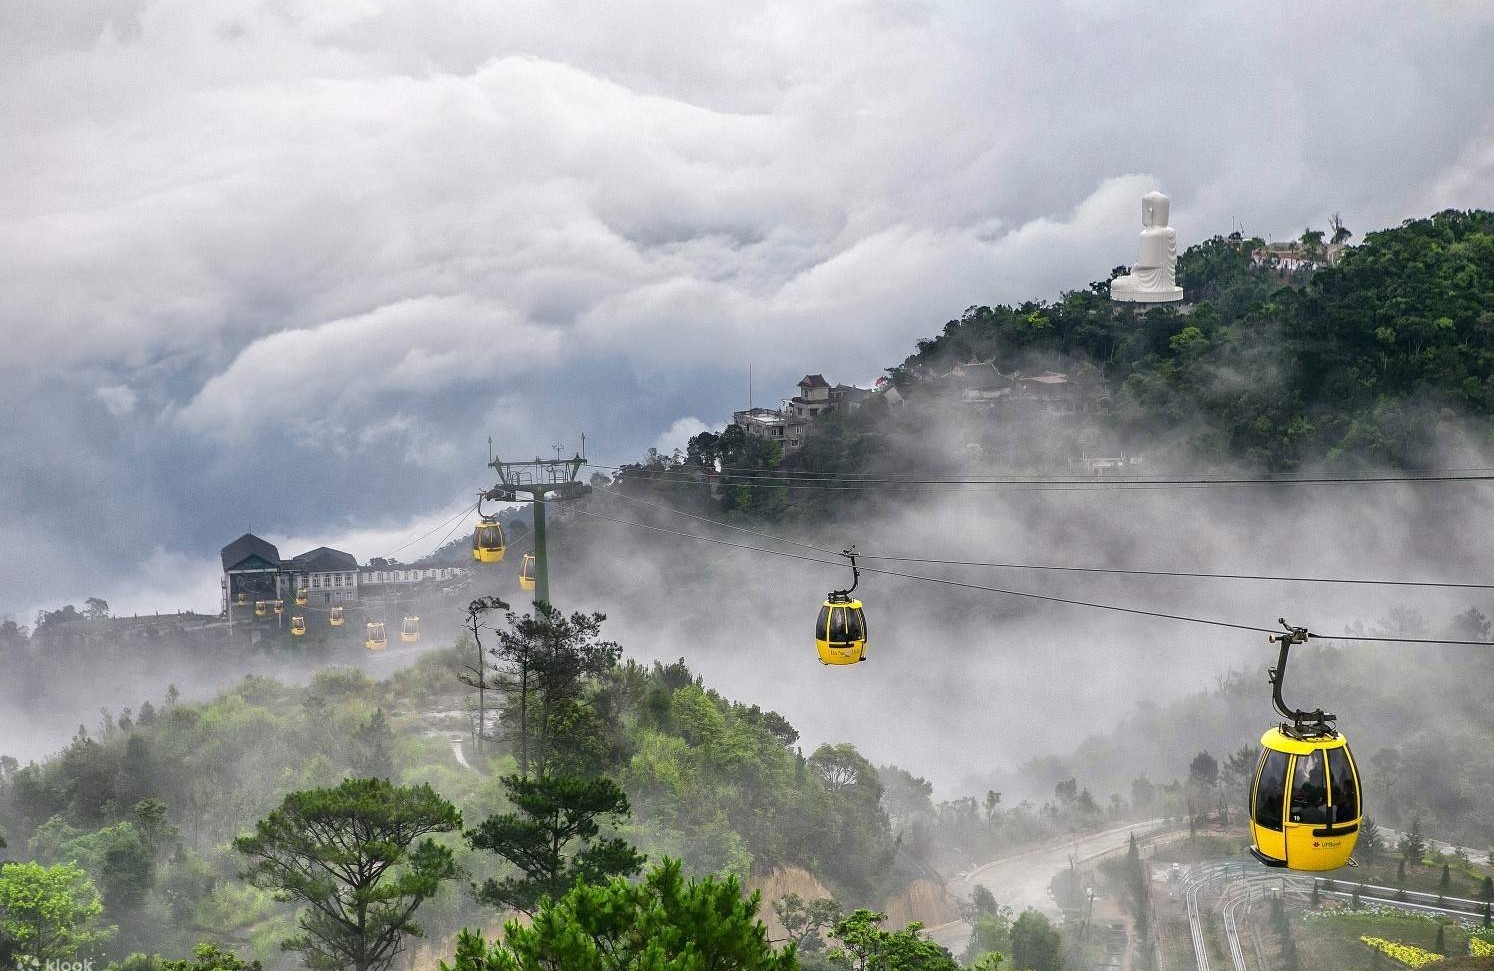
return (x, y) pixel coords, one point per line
(1267, 800)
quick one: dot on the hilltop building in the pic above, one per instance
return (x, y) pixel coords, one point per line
(330, 576)
(789, 424)
(1290, 255)
(983, 388)
(252, 567)
(773, 425)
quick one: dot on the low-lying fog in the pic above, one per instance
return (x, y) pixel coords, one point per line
(960, 685)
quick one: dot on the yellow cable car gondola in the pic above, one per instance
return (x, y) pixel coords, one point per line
(261, 608)
(298, 626)
(376, 639)
(279, 607)
(1306, 802)
(336, 619)
(840, 633)
(302, 596)
(526, 572)
(487, 541)
(243, 599)
(409, 630)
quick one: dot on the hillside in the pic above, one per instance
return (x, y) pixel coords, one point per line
(147, 801)
(1385, 359)
(1342, 368)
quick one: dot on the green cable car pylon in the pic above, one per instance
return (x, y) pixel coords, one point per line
(540, 481)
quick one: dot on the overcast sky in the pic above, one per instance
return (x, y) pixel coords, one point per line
(286, 264)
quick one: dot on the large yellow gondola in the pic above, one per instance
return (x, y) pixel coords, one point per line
(409, 630)
(488, 544)
(336, 618)
(526, 572)
(376, 639)
(1306, 803)
(840, 633)
(298, 626)
(261, 608)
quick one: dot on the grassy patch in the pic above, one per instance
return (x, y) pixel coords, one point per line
(1202, 846)
(1333, 943)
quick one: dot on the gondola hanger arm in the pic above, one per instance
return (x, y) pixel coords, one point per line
(1277, 675)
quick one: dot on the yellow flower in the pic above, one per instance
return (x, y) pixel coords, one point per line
(1408, 954)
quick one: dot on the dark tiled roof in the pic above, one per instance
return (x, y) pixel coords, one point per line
(814, 381)
(324, 559)
(247, 547)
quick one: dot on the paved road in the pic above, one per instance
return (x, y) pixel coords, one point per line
(457, 751)
(1021, 881)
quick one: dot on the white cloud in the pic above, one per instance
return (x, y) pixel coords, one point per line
(117, 399)
(391, 232)
(348, 371)
(679, 434)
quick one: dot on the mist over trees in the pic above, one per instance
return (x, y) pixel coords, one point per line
(134, 834)
(1369, 362)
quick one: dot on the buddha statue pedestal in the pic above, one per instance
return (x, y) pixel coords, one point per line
(1153, 278)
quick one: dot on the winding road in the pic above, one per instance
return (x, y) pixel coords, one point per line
(1021, 881)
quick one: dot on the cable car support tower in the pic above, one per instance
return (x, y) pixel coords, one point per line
(540, 481)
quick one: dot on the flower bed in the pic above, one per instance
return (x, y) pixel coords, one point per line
(1409, 955)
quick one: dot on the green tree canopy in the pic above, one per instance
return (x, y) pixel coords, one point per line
(664, 923)
(865, 946)
(1036, 943)
(360, 857)
(805, 919)
(209, 957)
(545, 660)
(553, 813)
(49, 913)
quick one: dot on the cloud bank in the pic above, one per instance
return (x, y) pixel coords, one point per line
(274, 263)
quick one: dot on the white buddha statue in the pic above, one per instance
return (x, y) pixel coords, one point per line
(1153, 279)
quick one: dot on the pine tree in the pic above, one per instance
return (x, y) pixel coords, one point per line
(554, 837)
(361, 857)
(664, 921)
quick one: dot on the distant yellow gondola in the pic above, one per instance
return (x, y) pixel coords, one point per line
(302, 596)
(261, 608)
(1306, 803)
(376, 639)
(298, 626)
(526, 572)
(336, 619)
(840, 633)
(279, 607)
(409, 630)
(242, 599)
(488, 545)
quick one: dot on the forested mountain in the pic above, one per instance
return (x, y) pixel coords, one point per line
(1343, 368)
(1382, 360)
(147, 802)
